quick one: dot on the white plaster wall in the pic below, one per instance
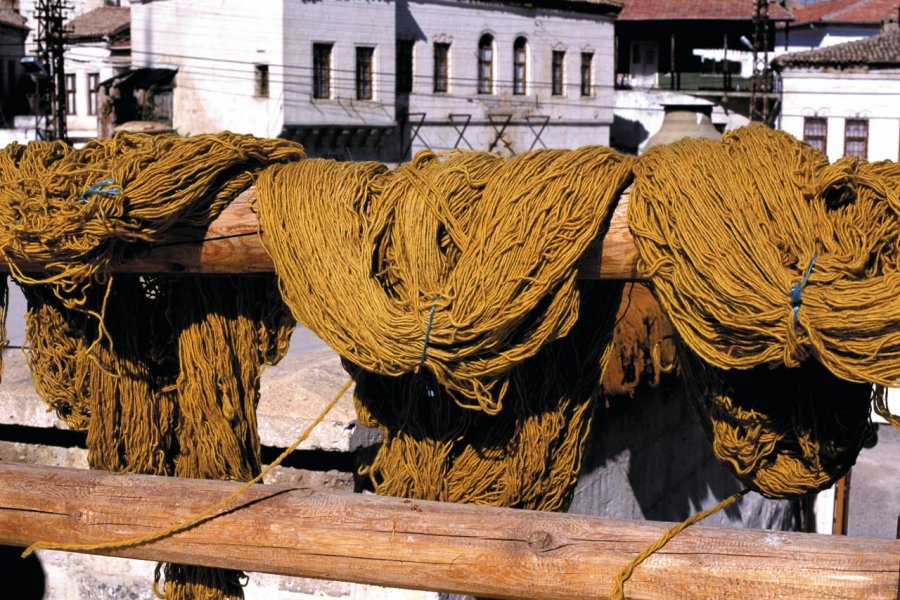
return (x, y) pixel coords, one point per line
(575, 120)
(839, 95)
(346, 24)
(81, 60)
(215, 46)
(820, 37)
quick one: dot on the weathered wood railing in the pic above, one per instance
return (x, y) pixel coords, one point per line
(494, 552)
(231, 244)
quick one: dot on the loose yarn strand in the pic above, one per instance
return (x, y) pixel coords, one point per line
(618, 591)
(203, 516)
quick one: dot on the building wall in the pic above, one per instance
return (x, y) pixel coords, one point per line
(346, 24)
(82, 60)
(821, 36)
(839, 95)
(216, 48)
(572, 120)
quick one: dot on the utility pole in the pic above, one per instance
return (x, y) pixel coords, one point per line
(50, 52)
(761, 83)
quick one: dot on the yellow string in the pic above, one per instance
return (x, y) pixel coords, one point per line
(618, 591)
(192, 521)
(879, 401)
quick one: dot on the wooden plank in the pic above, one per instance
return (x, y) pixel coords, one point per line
(231, 244)
(494, 552)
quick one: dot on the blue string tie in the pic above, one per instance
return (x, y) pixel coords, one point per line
(98, 190)
(430, 390)
(796, 293)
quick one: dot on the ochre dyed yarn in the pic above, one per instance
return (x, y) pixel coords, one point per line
(162, 372)
(478, 251)
(73, 214)
(528, 455)
(782, 431)
(643, 346)
(727, 229)
(443, 283)
(769, 262)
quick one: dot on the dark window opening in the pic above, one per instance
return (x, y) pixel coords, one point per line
(815, 133)
(441, 67)
(556, 76)
(93, 84)
(70, 94)
(587, 68)
(322, 70)
(364, 84)
(520, 73)
(486, 64)
(856, 138)
(262, 81)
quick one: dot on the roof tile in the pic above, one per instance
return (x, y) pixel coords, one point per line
(103, 21)
(882, 50)
(845, 12)
(677, 10)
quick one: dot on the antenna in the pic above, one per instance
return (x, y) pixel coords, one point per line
(51, 88)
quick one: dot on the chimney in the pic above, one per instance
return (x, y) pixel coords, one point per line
(889, 23)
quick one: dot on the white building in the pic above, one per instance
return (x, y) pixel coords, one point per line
(99, 47)
(96, 47)
(361, 79)
(823, 24)
(844, 99)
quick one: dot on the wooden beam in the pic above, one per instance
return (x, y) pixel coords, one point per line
(231, 244)
(494, 552)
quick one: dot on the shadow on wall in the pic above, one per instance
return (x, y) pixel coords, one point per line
(28, 575)
(627, 135)
(648, 458)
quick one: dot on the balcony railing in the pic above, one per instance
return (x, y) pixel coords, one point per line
(688, 81)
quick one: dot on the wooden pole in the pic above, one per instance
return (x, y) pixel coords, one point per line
(494, 552)
(231, 244)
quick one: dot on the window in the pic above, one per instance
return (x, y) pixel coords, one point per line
(556, 76)
(815, 133)
(404, 69)
(587, 68)
(441, 67)
(70, 93)
(520, 55)
(322, 70)
(93, 84)
(486, 64)
(364, 85)
(856, 138)
(261, 73)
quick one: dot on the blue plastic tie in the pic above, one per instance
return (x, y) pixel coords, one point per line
(796, 292)
(97, 189)
(428, 330)
(429, 389)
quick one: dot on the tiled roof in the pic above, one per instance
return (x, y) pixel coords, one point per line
(100, 22)
(882, 50)
(12, 19)
(845, 12)
(678, 10)
(602, 6)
